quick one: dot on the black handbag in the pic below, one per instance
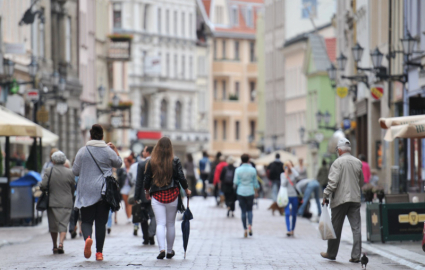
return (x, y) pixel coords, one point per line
(43, 200)
(140, 213)
(112, 192)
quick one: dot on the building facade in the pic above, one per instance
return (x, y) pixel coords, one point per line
(234, 76)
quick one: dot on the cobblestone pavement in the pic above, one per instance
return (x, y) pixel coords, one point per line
(216, 242)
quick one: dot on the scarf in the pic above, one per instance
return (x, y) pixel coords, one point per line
(96, 143)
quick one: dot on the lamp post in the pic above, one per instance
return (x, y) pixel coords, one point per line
(408, 43)
(342, 61)
(115, 101)
(9, 67)
(357, 51)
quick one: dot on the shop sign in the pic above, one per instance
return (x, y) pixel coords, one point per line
(14, 48)
(42, 115)
(347, 123)
(149, 135)
(377, 92)
(33, 95)
(119, 50)
(152, 65)
(342, 91)
(62, 108)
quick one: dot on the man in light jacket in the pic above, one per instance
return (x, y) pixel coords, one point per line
(345, 177)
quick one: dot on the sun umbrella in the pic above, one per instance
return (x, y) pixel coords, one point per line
(187, 216)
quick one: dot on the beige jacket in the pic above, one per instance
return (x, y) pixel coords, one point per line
(345, 177)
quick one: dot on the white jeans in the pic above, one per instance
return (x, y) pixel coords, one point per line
(165, 215)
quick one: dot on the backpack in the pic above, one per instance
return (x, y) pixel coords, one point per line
(228, 176)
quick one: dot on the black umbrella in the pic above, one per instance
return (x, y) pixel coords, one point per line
(187, 216)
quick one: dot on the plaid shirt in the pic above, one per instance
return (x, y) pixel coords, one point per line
(167, 196)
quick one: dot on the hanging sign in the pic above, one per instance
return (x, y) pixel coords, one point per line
(342, 91)
(14, 88)
(42, 115)
(33, 95)
(377, 92)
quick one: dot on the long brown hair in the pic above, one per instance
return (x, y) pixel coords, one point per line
(162, 162)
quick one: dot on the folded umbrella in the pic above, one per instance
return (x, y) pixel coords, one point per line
(187, 216)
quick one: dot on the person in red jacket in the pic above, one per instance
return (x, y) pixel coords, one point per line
(217, 174)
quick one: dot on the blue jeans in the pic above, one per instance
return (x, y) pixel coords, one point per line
(293, 201)
(313, 186)
(109, 224)
(246, 202)
(275, 189)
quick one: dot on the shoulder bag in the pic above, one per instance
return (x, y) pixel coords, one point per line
(43, 200)
(299, 195)
(112, 194)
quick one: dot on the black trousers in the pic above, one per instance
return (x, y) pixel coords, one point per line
(204, 177)
(75, 215)
(97, 213)
(148, 229)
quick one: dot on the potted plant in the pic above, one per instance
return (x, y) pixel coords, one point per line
(233, 97)
(379, 191)
(368, 192)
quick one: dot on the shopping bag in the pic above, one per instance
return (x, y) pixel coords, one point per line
(282, 197)
(325, 225)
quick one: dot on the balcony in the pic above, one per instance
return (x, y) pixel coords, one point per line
(227, 66)
(227, 105)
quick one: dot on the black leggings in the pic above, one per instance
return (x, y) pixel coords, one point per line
(97, 213)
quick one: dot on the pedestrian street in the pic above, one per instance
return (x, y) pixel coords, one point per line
(216, 242)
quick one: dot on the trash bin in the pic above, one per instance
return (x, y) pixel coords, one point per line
(22, 202)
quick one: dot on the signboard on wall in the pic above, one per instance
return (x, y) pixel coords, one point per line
(377, 92)
(119, 50)
(342, 91)
(14, 48)
(153, 65)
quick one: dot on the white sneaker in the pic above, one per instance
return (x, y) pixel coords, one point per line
(129, 220)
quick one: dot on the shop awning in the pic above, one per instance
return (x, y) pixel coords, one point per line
(412, 130)
(48, 139)
(284, 156)
(12, 124)
(386, 123)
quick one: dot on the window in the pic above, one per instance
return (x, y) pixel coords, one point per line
(215, 130)
(175, 66)
(237, 89)
(309, 9)
(178, 113)
(236, 50)
(224, 96)
(159, 21)
(167, 21)
(252, 51)
(223, 49)
(164, 111)
(190, 67)
(175, 23)
(249, 20)
(219, 15)
(167, 65)
(252, 130)
(215, 49)
(145, 17)
(190, 25)
(201, 66)
(215, 90)
(68, 40)
(183, 67)
(145, 113)
(224, 129)
(237, 128)
(117, 15)
(183, 25)
(41, 40)
(235, 18)
(252, 91)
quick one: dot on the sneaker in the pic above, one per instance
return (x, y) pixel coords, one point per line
(145, 242)
(99, 256)
(87, 247)
(326, 256)
(161, 255)
(152, 240)
(245, 234)
(73, 234)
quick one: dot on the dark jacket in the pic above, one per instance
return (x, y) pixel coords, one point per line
(121, 175)
(177, 178)
(322, 176)
(227, 187)
(276, 169)
(139, 192)
(212, 172)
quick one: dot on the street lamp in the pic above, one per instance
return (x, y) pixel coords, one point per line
(302, 133)
(357, 51)
(62, 84)
(32, 67)
(376, 56)
(319, 116)
(332, 72)
(408, 43)
(342, 61)
(55, 78)
(327, 118)
(9, 67)
(101, 91)
(115, 101)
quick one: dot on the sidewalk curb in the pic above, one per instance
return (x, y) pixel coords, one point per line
(8, 243)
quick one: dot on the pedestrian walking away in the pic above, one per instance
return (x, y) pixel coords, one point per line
(148, 228)
(124, 178)
(289, 180)
(91, 186)
(247, 185)
(60, 184)
(322, 175)
(217, 190)
(212, 172)
(274, 170)
(226, 180)
(189, 167)
(204, 168)
(163, 178)
(345, 176)
(308, 187)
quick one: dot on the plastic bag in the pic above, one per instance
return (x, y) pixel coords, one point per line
(282, 197)
(325, 225)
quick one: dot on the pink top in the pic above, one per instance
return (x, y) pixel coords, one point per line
(366, 171)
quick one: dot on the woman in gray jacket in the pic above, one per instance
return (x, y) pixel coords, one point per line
(91, 187)
(61, 188)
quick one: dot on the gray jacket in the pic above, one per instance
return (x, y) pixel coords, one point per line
(89, 188)
(345, 177)
(285, 183)
(61, 186)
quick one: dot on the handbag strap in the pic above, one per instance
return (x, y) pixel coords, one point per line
(48, 180)
(292, 184)
(94, 160)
